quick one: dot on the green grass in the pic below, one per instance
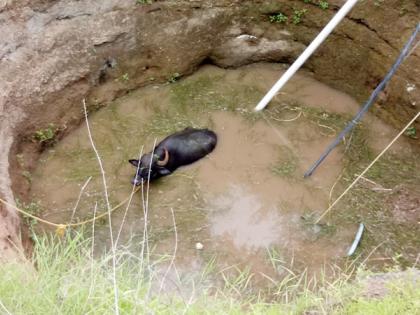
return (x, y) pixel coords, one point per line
(67, 280)
(402, 299)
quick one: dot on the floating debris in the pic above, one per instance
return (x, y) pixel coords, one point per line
(356, 240)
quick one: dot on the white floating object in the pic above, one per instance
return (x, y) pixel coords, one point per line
(356, 240)
(199, 246)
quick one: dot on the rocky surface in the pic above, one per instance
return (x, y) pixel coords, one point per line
(54, 53)
(379, 285)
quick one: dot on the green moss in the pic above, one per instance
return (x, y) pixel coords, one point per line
(163, 123)
(285, 169)
(326, 121)
(207, 93)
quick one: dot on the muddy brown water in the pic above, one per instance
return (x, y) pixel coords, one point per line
(245, 199)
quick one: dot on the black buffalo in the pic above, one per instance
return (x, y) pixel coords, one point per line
(181, 148)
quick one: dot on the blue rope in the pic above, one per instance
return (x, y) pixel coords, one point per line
(368, 104)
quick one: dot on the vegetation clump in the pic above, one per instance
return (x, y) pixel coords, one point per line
(33, 208)
(323, 5)
(46, 136)
(297, 16)
(411, 132)
(278, 18)
(174, 77)
(144, 1)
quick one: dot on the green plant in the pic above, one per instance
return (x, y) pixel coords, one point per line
(33, 208)
(144, 1)
(46, 135)
(403, 11)
(27, 175)
(411, 132)
(323, 5)
(20, 159)
(174, 77)
(278, 18)
(125, 77)
(298, 15)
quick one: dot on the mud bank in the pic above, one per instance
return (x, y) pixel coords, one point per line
(55, 53)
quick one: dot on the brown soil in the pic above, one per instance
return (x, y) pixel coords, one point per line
(406, 205)
(54, 53)
(378, 286)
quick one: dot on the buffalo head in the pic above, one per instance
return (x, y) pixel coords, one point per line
(151, 166)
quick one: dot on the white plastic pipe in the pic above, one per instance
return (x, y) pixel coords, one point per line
(307, 53)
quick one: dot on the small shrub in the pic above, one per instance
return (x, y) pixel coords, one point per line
(47, 135)
(298, 15)
(125, 77)
(33, 208)
(411, 132)
(27, 175)
(323, 5)
(278, 18)
(174, 77)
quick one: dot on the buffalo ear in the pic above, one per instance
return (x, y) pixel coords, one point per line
(134, 162)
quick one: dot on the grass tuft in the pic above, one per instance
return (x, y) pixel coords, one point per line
(68, 280)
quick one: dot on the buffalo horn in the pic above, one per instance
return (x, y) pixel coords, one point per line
(165, 159)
